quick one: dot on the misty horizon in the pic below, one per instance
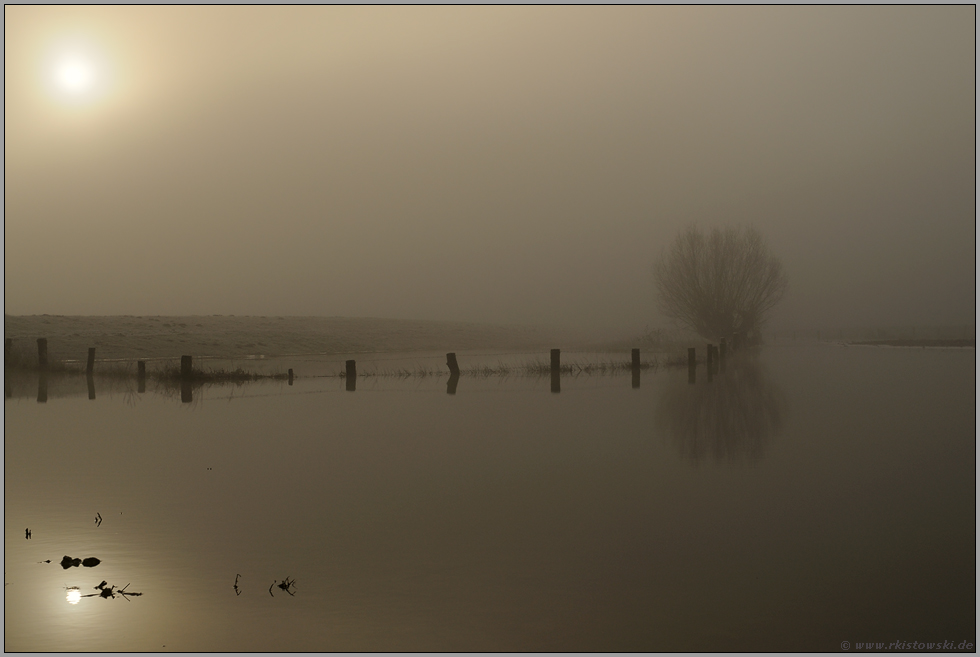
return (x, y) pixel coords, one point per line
(508, 165)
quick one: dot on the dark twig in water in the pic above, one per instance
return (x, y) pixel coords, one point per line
(285, 585)
(237, 590)
(105, 591)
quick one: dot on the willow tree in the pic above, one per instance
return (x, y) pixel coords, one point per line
(720, 283)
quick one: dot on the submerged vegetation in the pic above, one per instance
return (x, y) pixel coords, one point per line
(171, 373)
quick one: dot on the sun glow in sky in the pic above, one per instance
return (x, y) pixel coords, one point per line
(77, 72)
(75, 75)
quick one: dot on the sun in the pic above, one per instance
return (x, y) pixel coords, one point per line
(75, 75)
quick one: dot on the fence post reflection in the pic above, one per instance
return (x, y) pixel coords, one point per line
(635, 367)
(42, 387)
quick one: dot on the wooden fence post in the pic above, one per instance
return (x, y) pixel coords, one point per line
(90, 380)
(42, 355)
(185, 367)
(141, 376)
(452, 383)
(452, 364)
(90, 364)
(556, 370)
(351, 375)
(290, 374)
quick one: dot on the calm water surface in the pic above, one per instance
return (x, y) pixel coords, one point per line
(813, 495)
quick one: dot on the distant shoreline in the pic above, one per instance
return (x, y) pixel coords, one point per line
(969, 343)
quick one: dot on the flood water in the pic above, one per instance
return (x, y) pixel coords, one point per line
(812, 495)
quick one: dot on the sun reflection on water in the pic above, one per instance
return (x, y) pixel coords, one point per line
(74, 595)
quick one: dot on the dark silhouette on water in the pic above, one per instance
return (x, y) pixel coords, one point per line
(89, 562)
(105, 591)
(186, 393)
(284, 585)
(733, 417)
(27, 533)
(90, 380)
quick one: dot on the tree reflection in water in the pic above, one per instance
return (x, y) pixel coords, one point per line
(732, 417)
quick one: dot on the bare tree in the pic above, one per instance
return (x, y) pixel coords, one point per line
(720, 283)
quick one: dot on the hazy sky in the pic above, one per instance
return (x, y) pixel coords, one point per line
(506, 164)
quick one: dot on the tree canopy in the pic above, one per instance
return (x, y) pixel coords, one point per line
(720, 283)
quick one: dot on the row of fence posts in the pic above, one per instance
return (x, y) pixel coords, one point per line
(42, 361)
(715, 360)
(186, 372)
(350, 373)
